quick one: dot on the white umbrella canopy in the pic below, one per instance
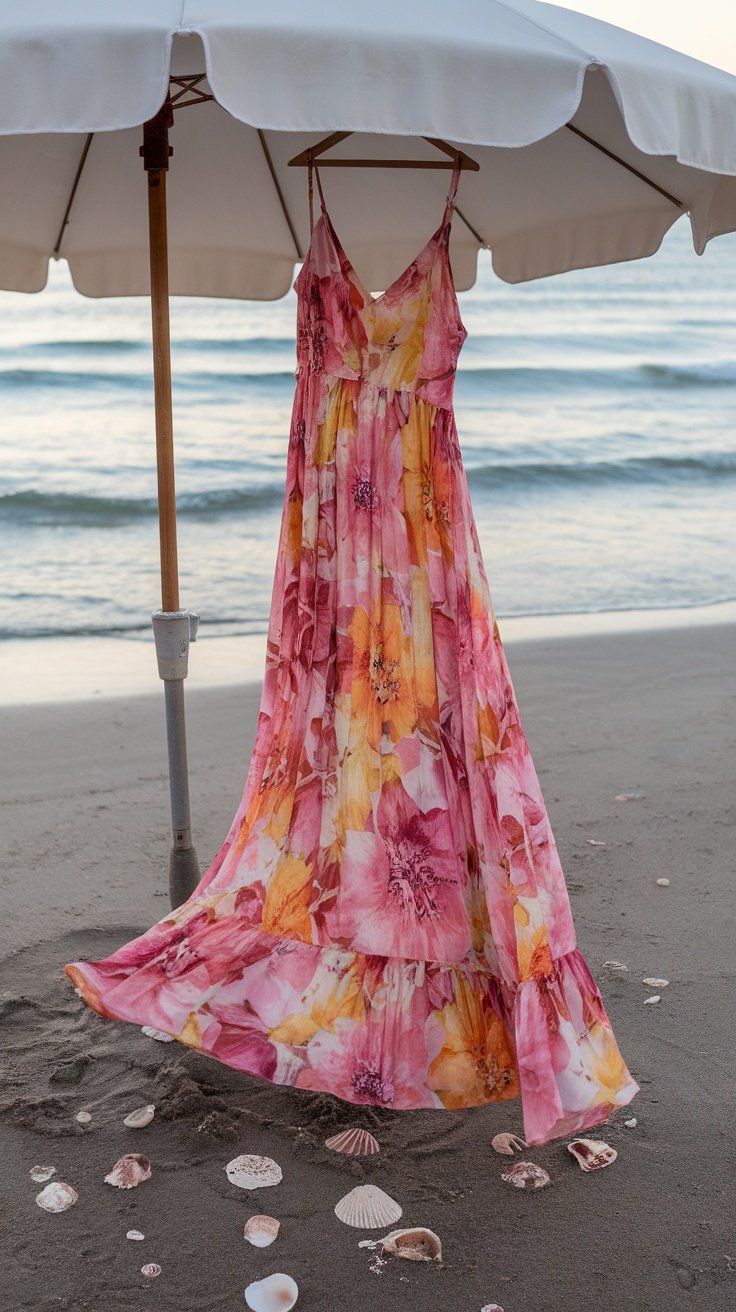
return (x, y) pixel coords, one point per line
(591, 141)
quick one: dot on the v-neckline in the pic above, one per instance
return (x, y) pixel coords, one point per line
(368, 297)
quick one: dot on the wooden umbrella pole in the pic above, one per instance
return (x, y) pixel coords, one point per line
(173, 628)
(156, 151)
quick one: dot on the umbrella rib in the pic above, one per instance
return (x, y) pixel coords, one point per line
(73, 192)
(618, 160)
(280, 194)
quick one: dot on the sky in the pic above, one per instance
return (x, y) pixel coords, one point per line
(706, 30)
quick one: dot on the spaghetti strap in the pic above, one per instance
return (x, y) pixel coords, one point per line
(314, 170)
(452, 192)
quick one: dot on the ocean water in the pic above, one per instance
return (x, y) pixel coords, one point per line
(596, 412)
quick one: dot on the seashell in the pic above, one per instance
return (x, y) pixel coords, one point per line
(592, 1154)
(277, 1293)
(151, 1033)
(260, 1231)
(614, 965)
(655, 998)
(663, 883)
(595, 842)
(507, 1144)
(367, 1208)
(151, 1269)
(253, 1172)
(632, 1121)
(129, 1171)
(418, 1244)
(492, 1307)
(526, 1175)
(655, 983)
(84, 1118)
(57, 1197)
(141, 1117)
(629, 797)
(42, 1173)
(355, 1142)
(135, 1234)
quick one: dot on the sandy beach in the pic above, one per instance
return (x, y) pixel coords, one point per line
(85, 803)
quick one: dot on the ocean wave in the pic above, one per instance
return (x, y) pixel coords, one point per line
(521, 379)
(33, 506)
(83, 381)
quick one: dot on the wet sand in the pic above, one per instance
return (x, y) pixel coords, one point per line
(84, 799)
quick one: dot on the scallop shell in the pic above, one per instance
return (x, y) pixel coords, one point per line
(84, 1118)
(507, 1144)
(260, 1231)
(492, 1307)
(152, 1033)
(654, 983)
(355, 1142)
(418, 1244)
(135, 1234)
(141, 1117)
(614, 965)
(57, 1197)
(277, 1293)
(367, 1208)
(40, 1174)
(592, 1154)
(252, 1172)
(151, 1269)
(129, 1171)
(663, 883)
(526, 1175)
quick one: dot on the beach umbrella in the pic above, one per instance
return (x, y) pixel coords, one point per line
(583, 145)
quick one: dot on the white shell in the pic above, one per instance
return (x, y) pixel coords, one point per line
(655, 998)
(367, 1208)
(592, 1154)
(355, 1142)
(654, 983)
(57, 1197)
(151, 1269)
(135, 1234)
(417, 1244)
(151, 1033)
(252, 1172)
(129, 1171)
(42, 1173)
(492, 1307)
(277, 1293)
(260, 1231)
(507, 1144)
(663, 883)
(632, 1121)
(140, 1117)
(526, 1175)
(614, 965)
(84, 1118)
(629, 797)
(595, 842)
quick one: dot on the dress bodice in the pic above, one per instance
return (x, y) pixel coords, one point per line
(407, 339)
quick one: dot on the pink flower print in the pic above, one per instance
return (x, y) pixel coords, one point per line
(401, 888)
(379, 1061)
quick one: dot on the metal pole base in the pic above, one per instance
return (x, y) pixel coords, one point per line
(184, 874)
(174, 631)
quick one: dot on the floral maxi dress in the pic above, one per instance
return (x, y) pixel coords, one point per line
(387, 919)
